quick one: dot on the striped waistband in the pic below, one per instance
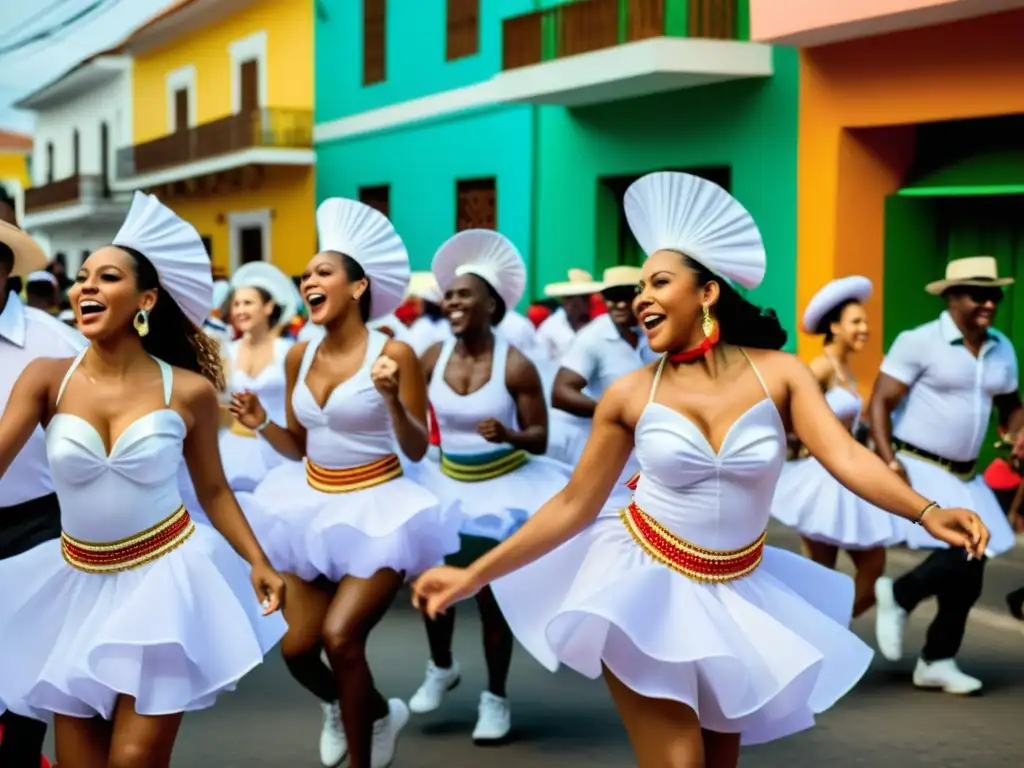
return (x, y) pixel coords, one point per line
(484, 466)
(354, 478)
(688, 559)
(237, 428)
(126, 554)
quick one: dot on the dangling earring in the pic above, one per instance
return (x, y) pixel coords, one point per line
(141, 322)
(708, 324)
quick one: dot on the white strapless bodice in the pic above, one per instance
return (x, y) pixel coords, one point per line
(458, 416)
(108, 497)
(354, 426)
(717, 501)
(845, 404)
(269, 384)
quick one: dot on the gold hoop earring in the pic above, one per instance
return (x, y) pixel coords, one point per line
(141, 322)
(708, 324)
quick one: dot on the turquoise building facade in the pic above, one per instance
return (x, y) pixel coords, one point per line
(534, 115)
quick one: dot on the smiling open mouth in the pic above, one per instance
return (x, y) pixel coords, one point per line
(316, 299)
(652, 321)
(90, 307)
(456, 314)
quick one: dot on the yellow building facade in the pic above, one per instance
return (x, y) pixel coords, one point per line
(15, 150)
(222, 104)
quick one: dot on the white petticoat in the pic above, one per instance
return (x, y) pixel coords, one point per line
(811, 501)
(397, 525)
(247, 460)
(934, 482)
(496, 508)
(567, 436)
(173, 634)
(760, 656)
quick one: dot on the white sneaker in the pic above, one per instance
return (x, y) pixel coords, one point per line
(945, 675)
(435, 685)
(494, 720)
(333, 744)
(385, 734)
(889, 620)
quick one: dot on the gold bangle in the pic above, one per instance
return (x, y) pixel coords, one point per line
(924, 511)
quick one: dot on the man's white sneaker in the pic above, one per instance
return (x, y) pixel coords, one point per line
(889, 620)
(333, 744)
(385, 733)
(494, 720)
(435, 685)
(945, 675)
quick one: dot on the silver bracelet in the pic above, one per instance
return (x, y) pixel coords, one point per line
(264, 425)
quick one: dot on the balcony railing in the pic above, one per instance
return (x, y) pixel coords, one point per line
(74, 189)
(591, 25)
(263, 128)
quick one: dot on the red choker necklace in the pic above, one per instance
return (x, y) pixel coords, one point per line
(697, 352)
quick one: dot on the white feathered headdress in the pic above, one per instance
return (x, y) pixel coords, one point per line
(365, 235)
(676, 211)
(488, 255)
(175, 250)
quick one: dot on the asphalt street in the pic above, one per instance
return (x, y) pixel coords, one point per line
(269, 722)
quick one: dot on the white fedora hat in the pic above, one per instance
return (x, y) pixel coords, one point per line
(982, 271)
(580, 283)
(617, 277)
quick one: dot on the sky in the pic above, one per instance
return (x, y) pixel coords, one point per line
(24, 70)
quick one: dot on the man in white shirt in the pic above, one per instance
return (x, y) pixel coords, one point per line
(29, 514)
(608, 348)
(950, 372)
(556, 333)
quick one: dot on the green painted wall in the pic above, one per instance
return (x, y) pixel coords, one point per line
(750, 126)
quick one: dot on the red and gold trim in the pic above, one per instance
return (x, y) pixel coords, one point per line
(355, 478)
(691, 561)
(124, 555)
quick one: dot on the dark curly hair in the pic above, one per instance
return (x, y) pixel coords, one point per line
(174, 338)
(740, 322)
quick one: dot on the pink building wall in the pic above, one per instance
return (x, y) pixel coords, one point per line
(817, 22)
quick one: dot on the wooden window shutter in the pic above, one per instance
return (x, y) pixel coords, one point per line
(476, 204)
(463, 29)
(374, 41)
(378, 198)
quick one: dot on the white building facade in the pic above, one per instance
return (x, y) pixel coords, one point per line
(81, 120)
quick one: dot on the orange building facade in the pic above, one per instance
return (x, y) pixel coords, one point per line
(882, 113)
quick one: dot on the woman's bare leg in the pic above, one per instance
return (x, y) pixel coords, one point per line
(141, 741)
(82, 742)
(870, 565)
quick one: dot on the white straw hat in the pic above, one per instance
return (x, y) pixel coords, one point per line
(980, 271)
(580, 283)
(28, 255)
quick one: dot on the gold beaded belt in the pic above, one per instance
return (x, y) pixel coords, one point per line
(355, 478)
(238, 428)
(487, 466)
(124, 555)
(691, 561)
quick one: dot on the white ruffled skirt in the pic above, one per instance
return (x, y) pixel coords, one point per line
(567, 436)
(174, 633)
(495, 508)
(759, 656)
(934, 482)
(398, 525)
(811, 501)
(246, 460)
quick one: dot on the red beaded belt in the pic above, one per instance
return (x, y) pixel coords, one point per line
(354, 479)
(688, 559)
(142, 548)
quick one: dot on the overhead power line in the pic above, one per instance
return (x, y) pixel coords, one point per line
(45, 34)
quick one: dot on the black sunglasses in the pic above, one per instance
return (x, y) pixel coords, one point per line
(619, 293)
(982, 295)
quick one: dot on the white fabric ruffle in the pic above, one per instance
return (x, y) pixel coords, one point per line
(760, 656)
(815, 504)
(173, 633)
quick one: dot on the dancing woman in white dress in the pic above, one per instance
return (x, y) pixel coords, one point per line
(829, 516)
(704, 636)
(264, 300)
(487, 399)
(346, 526)
(136, 614)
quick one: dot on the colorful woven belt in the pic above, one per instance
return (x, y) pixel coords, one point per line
(485, 466)
(142, 548)
(237, 428)
(355, 478)
(691, 561)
